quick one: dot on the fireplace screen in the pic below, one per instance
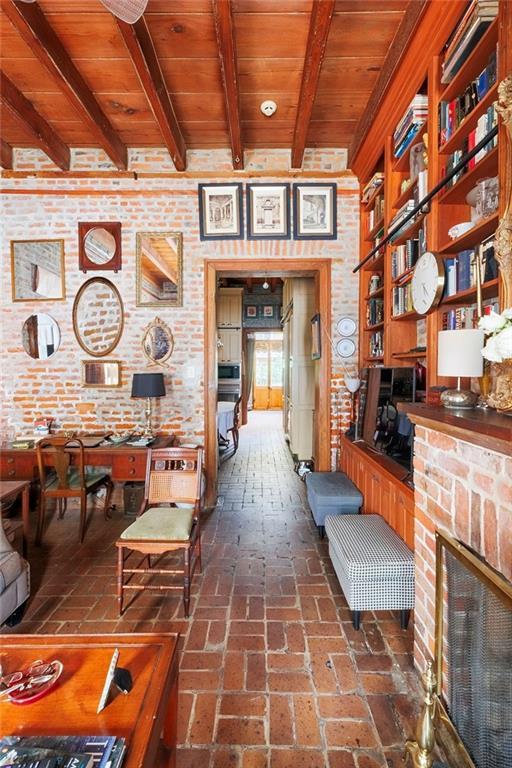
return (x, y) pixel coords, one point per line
(475, 637)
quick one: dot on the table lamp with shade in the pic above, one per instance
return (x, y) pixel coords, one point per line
(148, 385)
(459, 353)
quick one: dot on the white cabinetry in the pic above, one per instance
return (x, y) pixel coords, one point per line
(230, 350)
(229, 307)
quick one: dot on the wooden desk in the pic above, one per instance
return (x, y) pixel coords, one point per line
(11, 489)
(146, 717)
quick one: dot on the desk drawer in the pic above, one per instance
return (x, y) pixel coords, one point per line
(15, 466)
(129, 466)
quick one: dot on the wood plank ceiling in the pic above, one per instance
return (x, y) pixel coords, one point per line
(193, 73)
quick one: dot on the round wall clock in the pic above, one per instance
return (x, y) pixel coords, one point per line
(345, 348)
(346, 326)
(427, 282)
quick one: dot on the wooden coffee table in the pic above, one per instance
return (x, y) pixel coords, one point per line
(10, 489)
(146, 717)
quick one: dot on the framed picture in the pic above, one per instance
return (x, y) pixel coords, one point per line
(268, 211)
(159, 269)
(268, 311)
(37, 270)
(101, 374)
(251, 310)
(314, 212)
(220, 211)
(316, 342)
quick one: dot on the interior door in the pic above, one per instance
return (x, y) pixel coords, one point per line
(268, 375)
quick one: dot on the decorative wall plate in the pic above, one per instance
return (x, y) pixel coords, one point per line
(345, 348)
(346, 326)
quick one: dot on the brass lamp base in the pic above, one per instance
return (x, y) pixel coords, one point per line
(148, 429)
(459, 398)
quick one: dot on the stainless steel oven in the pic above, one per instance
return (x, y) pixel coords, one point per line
(230, 381)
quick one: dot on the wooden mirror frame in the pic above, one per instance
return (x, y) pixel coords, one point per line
(157, 323)
(84, 262)
(88, 385)
(76, 302)
(178, 238)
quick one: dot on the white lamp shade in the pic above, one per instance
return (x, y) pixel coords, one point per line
(459, 353)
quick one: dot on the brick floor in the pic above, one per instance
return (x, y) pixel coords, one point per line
(272, 674)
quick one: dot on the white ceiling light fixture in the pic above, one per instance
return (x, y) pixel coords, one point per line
(126, 10)
(265, 285)
(268, 107)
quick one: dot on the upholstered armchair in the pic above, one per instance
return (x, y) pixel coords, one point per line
(14, 582)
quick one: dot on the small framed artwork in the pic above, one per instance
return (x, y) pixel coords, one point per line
(314, 212)
(251, 310)
(268, 311)
(220, 211)
(316, 341)
(37, 270)
(268, 211)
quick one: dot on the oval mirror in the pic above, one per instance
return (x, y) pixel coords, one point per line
(40, 336)
(98, 316)
(99, 245)
(157, 342)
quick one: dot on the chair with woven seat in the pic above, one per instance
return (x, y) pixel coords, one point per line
(236, 424)
(63, 476)
(168, 520)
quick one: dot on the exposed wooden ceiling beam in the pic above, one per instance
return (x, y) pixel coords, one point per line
(145, 60)
(319, 25)
(6, 154)
(35, 30)
(224, 30)
(43, 133)
(404, 33)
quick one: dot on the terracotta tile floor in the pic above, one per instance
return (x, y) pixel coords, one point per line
(272, 673)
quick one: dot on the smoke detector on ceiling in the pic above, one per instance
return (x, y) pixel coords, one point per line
(268, 107)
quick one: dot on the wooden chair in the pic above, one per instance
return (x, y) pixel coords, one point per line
(236, 424)
(62, 480)
(173, 477)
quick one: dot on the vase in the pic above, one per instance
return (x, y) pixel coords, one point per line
(501, 395)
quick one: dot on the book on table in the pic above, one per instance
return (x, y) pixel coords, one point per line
(62, 751)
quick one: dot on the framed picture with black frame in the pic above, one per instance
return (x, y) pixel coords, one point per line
(314, 212)
(220, 212)
(268, 211)
(316, 339)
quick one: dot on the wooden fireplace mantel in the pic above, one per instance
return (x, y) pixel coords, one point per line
(484, 427)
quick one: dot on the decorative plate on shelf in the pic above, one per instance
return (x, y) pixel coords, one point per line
(346, 326)
(345, 348)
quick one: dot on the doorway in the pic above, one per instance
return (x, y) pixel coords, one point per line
(267, 388)
(320, 271)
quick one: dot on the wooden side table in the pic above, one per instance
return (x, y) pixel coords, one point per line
(10, 489)
(146, 717)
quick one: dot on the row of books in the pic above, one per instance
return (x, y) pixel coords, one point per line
(404, 257)
(376, 345)
(62, 751)
(377, 212)
(485, 123)
(399, 216)
(401, 300)
(452, 113)
(479, 15)
(374, 312)
(410, 124)
(465, 317)
(461, 271)
(377, 180)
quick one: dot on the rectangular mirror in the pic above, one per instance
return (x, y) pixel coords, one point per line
(37, 270)
(101, 374)
(159, 269)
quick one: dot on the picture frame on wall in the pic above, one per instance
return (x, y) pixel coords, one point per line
(316, 339)
(268, 310)
(251, 311)
(37, 270)
(220, 212)
(268, 211)
(314, 212)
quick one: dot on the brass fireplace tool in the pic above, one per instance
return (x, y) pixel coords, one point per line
(420, 751)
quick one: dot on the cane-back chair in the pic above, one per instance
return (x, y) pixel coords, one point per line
(63, 476)
(236, 424)
(168, 520)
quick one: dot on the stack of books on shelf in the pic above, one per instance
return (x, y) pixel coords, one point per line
(377, 212)
(461, 271)
(410, 124)
(376, 347)
(452, 113)
(374, 312)
(478, 17)
(377, 180)
(485, 123)
(403, 258)
(401, 300)
(466, 317)
(399, 217)
(62, 751)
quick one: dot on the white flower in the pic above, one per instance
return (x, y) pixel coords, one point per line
(490, 351)
(507, 313)
(504, 343)
(492, 322)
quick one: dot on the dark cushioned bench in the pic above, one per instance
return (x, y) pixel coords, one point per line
(331, 493)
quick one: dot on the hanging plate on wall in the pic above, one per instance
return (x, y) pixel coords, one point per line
(345, 348)
(346, 326)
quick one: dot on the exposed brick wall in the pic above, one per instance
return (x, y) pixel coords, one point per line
(465, 491)
(39, 207)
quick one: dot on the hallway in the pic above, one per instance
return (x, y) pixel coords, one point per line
(272, 674)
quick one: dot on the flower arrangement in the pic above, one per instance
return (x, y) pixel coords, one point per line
(498, 329)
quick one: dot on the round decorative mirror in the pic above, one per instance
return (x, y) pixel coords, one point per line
(99, 245)
(40, 336)
(158, 342)
(98, 316)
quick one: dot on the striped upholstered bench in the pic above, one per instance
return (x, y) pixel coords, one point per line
(374, 566)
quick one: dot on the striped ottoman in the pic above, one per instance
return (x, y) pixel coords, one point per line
(374, 566)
